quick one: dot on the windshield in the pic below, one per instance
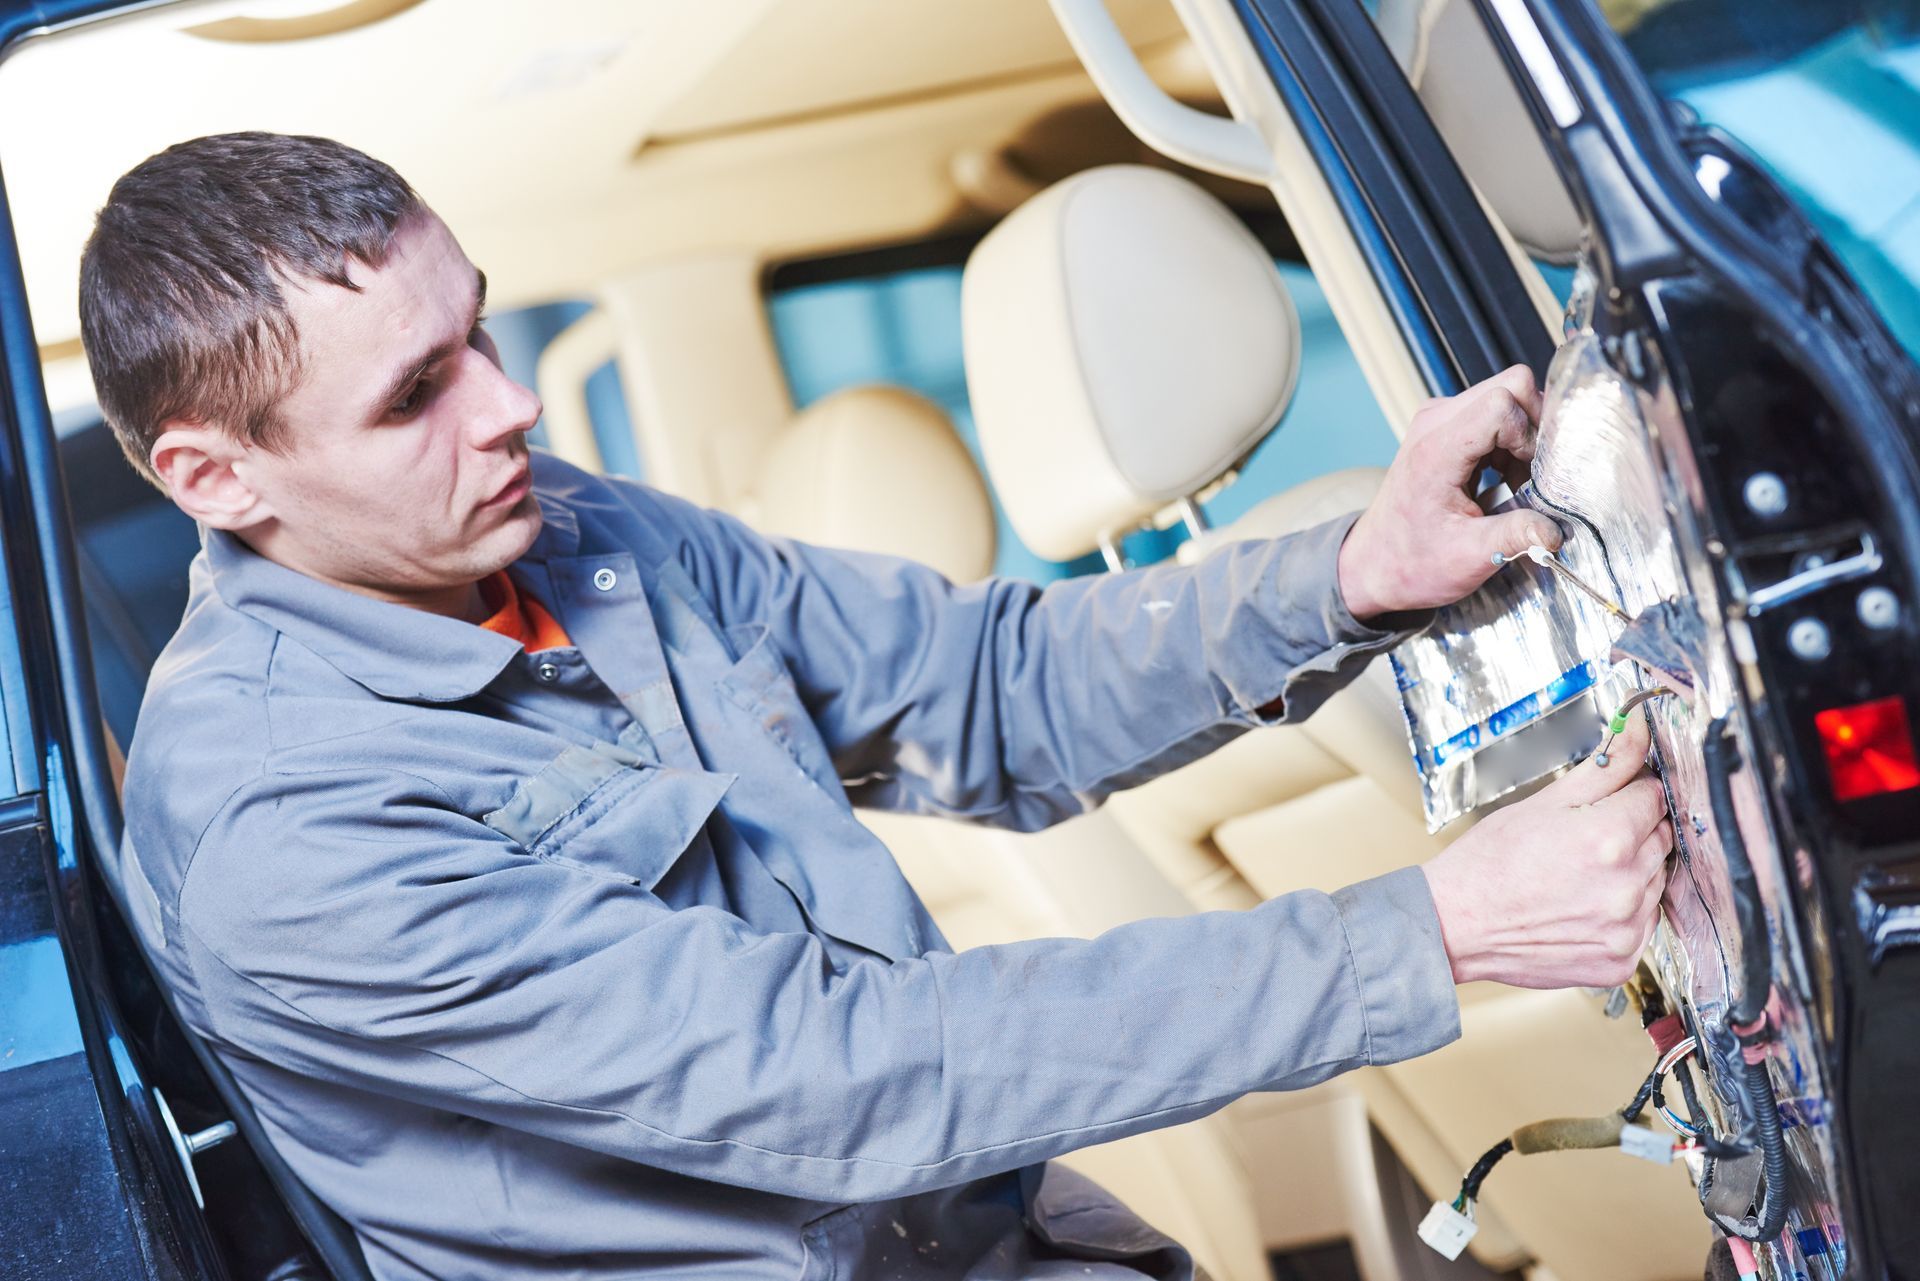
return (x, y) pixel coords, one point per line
(1827, 96)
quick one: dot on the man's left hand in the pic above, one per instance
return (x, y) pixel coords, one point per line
(1424, 542)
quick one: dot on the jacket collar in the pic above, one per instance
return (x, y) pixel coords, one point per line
(395, 651)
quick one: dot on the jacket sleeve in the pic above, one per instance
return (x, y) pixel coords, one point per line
(1005, 703)
(425, 956)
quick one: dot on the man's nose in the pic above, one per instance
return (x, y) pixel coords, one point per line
(508, 406)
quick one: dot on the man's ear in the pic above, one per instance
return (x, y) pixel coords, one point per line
(197, 464)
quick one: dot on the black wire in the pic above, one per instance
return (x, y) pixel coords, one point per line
(1696, 1114)
(1721, 755)
(1772, 1209)
(1704, 1134)
(1470, 1186)
(1632, 1111)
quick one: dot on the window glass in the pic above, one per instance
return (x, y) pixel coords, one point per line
(904, 328)
(1827, 96)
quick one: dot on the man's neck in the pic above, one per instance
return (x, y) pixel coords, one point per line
(462, 601)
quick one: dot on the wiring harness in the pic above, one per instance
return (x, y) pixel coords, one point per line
(1449, 1226)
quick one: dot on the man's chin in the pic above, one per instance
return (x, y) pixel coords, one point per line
(519, 531)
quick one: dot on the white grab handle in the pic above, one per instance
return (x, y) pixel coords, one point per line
(1215, 144)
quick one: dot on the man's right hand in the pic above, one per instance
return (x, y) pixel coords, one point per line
(1561, 889)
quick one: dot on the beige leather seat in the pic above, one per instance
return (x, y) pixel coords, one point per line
(1127, 344)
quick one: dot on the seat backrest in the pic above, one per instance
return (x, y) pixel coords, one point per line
(1128, 341)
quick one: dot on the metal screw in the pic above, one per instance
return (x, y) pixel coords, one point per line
(1809, 641)
(604, 579)
(1766, 494)
(1878, 608)
(1636, 359)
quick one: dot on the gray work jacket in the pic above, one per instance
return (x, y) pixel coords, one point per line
(577, 964)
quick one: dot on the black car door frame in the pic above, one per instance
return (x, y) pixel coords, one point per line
(69, 771)
(1457, 296)
(82, 807)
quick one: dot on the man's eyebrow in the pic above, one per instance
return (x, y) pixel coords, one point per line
(396, 386)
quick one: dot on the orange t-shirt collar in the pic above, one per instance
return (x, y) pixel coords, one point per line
(520, 617)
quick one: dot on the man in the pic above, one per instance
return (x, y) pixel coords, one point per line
(491, 820)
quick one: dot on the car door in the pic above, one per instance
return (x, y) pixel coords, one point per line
(1776, 415)
(1788, 413)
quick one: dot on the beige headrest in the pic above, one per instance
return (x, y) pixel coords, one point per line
(877, 469)
(1127, 341)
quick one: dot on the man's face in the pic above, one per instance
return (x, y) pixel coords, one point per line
(405, 475)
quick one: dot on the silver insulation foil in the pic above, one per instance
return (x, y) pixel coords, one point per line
(1515, 681)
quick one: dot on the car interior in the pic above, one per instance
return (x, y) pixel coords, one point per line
(896, 277)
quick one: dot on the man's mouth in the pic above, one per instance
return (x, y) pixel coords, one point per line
(513, 491)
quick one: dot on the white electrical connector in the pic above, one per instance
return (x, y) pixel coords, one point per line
(1447, 1230)
(1648, 1145)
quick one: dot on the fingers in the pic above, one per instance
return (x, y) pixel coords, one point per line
(1648, 920)
(1588, 781)
(1640, 806)
(1632, 742)
(1510, 533)
(1647, 914)
(1519, 383)
(1654, 849)
(1501, 413)
(1627, 934)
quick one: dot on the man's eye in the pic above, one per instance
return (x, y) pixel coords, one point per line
(414, 401)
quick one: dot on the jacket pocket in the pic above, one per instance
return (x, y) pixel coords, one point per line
(603, 810)
(758, 682)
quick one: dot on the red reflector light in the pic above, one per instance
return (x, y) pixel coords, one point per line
(1869, 748)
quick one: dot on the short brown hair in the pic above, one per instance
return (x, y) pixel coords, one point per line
(181, 310)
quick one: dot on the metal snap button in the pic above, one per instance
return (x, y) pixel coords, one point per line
(547, 672)
(604, 579)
